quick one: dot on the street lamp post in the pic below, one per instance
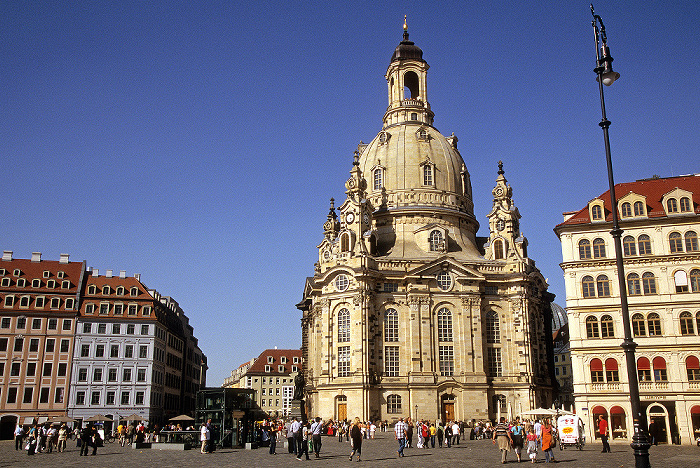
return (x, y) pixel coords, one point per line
(606, 76)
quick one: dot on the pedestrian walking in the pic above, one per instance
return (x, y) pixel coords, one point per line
(400, 434)
(62, 438)
(273, 439)
(356, 439)
(603, 429)
(517, 433)
(532, 445)
(19, 437)
(448, 434)
(304, 444)
(501, 435)
(547, 441)
(316, 430)
(85, 439)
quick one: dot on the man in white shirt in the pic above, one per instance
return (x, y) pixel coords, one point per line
(455, 433)
(316, 429)
(538, 432)
(400, 434)
(296, 431)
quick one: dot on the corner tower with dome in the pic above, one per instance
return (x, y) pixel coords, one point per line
(409, 312)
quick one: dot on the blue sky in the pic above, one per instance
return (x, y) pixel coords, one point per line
(198, 143)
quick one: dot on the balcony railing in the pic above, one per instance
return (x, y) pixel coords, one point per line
(412, 103)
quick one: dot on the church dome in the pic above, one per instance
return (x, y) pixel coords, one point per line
(413, 165)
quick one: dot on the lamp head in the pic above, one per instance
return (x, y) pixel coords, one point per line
(607, 74)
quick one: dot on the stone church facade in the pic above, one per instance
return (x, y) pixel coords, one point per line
(408, 312)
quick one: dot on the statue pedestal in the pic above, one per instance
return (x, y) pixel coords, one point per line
(298, 410)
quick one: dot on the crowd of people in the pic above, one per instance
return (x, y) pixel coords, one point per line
(47, 437)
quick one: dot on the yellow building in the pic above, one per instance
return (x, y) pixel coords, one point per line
(409, 313)
(660, 219)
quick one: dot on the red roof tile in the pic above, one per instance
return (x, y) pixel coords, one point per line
(652, 189)
(276, 354)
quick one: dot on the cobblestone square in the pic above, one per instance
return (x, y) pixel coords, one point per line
(379, 452)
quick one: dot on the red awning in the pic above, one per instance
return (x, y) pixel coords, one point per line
(692, 362)
(695, 410)
(596, 365)
(599, 410)
(659, 363)
(611, 364)
(643, 364)
(617, 410)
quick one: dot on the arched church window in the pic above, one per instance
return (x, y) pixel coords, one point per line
(444, 325)
(345, 242)
(436, 240)
(391, 325)
(493, 327)
(428, 175)
(343, 326)
(341, 282)
(378, 179)
(393, 404)
(498, 250)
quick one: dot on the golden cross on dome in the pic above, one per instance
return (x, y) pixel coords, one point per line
(405, 26)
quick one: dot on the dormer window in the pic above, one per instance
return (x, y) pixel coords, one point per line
(36, 283)
(106, 290)
(5, 282)
(134, 291)
(428, 175)
(51, 284)
(120, 291)
(596, 213)
(437, 241)
(384, 137)
(283, 360)
(295, 360)
(626, 210)
(61, 274)
(65, 284)
(17, 272)
(270, 359)
(638, 208)
(685, 204)
(378, 178)
(21, 282)
(672, 205)
(267, 369)
(47, 274)
(280, 369)
(422, 134)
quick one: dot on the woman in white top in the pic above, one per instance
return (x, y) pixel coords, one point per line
(204, 435)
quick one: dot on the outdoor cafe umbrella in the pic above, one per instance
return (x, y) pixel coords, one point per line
(133, 417)
(182, 417)
(98, 418)
(539, 412)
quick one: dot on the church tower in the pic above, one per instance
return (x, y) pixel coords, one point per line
(407, 307)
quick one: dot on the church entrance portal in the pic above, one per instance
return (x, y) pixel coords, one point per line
(448, 407)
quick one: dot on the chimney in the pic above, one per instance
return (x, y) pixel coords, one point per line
(108, 274)
(95, 272)
(137, 276)
(36, 257)
(122, 274)
(7, 255)
(63, 258)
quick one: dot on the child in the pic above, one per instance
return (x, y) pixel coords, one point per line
(532, 446)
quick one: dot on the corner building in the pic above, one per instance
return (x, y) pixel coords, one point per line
(660, 218)
(409, 313)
